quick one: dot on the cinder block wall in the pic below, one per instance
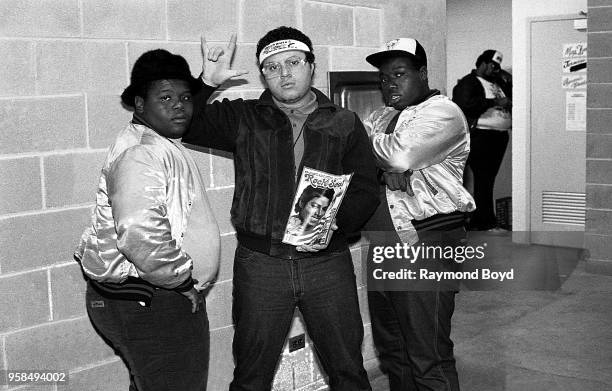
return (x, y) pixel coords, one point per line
(64, 64)
(598, 238)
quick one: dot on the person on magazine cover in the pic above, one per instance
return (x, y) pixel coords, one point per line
(309, 210)
(420, 141)
(291, 125)
(153, 242)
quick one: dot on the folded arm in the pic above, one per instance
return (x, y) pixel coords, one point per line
(420, 142)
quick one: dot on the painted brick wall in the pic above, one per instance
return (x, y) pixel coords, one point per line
(64, 64)
(598, 238)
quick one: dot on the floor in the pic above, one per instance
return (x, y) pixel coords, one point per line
(548, 330)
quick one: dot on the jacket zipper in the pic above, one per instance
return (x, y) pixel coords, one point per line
(431, 187)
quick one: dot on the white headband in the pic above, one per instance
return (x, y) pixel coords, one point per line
(282, 46)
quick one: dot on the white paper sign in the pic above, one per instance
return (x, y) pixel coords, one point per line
(575, 111)
(578, 49)
(571, 65)
(574, 81)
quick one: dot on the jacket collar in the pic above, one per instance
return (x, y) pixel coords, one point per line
(429, 95)
(265, 99)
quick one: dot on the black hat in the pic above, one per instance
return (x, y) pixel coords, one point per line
(409, 47)
(154, 65)
(490, 55)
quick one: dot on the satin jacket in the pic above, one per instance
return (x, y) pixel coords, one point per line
(431, 139)
(145, 195)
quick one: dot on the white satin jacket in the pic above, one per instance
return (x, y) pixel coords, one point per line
(147, 190)
(432, 139)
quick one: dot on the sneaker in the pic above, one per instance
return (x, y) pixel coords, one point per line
(497, 231)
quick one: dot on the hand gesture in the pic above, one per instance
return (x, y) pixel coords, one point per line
(196, 299)
(216, 62)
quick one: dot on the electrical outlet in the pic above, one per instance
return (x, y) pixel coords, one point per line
(297, 342)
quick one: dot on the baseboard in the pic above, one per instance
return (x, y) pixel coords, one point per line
(598, 266)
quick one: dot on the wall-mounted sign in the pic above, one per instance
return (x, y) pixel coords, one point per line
(573, 82)
(578, 49)
(575, 111)
(576, 64)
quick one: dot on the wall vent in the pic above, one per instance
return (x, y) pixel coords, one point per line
(563, 208)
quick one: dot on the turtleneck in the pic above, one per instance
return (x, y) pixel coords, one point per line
(297, 113)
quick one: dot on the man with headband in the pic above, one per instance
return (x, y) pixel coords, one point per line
(290, 126)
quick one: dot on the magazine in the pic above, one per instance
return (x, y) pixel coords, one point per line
(316, 202)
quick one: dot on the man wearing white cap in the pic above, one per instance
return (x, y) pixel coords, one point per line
(290, 126)
(486, 103)
(420, 142)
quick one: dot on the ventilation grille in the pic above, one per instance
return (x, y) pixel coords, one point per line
(563, 208)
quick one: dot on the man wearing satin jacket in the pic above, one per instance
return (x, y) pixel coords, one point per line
(420, 142)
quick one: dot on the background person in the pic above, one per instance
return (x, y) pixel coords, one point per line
(152, 236)
(485, 98)
(290, 126)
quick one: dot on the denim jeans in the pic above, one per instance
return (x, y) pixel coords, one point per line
(485, 159)
(411, 328)
(267, 290)
(411, 332)
(165, 346)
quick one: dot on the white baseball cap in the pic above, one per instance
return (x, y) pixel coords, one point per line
(399, 47)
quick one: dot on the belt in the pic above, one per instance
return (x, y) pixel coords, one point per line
(440, 222)
(282, 250)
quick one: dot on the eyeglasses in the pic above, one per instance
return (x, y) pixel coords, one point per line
(275, 69)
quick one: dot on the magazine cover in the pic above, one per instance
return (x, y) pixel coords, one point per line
(316, 202)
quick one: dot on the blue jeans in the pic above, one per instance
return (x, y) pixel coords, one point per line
(411, 332)
(411, 327)
(164, 346)
(267, 290)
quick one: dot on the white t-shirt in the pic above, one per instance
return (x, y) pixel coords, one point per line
(496, 117)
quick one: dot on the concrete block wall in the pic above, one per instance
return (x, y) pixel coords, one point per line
(65, 64)
(598, 236)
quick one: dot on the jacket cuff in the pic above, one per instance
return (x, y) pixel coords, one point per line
(206, 82)
(185, 286)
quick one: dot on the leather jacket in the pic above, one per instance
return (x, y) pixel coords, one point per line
(259, 135)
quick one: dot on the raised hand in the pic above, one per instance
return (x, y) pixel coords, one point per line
(216, 62)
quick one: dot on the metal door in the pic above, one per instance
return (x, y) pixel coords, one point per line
(557, 132)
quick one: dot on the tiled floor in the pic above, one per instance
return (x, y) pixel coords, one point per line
(520, 339)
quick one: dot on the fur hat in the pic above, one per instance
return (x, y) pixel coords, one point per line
(154, 65)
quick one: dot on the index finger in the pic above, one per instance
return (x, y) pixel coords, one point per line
(231, 45)
(203, 46)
